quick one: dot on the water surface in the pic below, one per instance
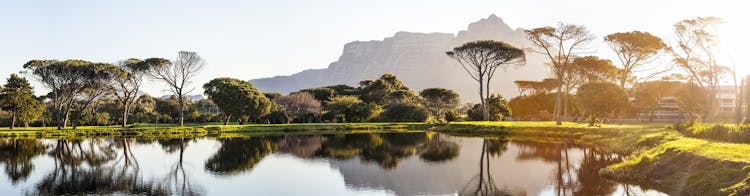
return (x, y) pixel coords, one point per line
(422, 163)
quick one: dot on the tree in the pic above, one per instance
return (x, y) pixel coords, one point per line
(31, 111)
(481, 59)
(695, 54)
(588, 69)
(439, 101)
(16, 97)
(691, 99)
(299, 105)
(167, 108)
(535, 87)
(600, 100)
(352, 109)
(178, 75)
(560, 44)
(99, 82)
(635, 50)
(127, 79)
(68, 81)
(538, 106)
(237, 98)
(322, 94)
(385, 90)
(496, 106)
(583, 70)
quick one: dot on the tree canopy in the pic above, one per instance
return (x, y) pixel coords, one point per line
(237, 98)
(439, 101)
(601, 99)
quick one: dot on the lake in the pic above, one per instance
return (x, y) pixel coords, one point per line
(415, 163)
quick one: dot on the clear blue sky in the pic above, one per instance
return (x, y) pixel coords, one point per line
(252, 39)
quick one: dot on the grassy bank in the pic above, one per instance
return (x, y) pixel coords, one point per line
(679, 165)
(200, 130)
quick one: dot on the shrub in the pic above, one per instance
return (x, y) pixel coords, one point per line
(722, 132)
(404, 113)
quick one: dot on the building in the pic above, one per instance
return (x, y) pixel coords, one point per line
(668, 110)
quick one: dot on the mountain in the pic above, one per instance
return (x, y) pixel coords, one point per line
(419, 60)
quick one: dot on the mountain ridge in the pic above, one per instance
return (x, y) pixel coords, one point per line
(418, 59)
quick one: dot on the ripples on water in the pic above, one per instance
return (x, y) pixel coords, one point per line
(422, 163)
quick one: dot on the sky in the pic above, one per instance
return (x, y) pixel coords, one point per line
(254, 39)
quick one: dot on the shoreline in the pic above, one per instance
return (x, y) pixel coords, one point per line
(658, 157)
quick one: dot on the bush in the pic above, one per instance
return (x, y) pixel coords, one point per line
(452, 116)
(404, 113)
(722, 132)
(497, 106)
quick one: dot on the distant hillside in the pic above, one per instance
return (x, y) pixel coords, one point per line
(192, 98)
(419, 60)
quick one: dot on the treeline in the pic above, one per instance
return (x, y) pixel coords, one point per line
(385, 99)
(110, 101)
(102, 94)
(586, 87)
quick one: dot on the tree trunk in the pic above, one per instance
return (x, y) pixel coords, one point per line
(558, 106)
(565, 108)
(58, 118)
(125, 115)
(226, 121)
(67, 117)
(13, 120)
(485, 114)
(711, 109)
(182, 110)
(487, 101)
(593, 121)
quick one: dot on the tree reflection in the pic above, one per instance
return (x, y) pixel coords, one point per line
(483, 183)
(239, 154)
(16, 155)
(569, 179)
(386, 149)
(177, 175)
(439, 150)
(98, 166)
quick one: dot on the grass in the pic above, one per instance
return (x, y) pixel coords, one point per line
(681, 165)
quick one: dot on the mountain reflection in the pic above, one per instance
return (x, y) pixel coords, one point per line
(405, 164)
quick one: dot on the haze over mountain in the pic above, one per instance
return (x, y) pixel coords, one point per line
(419, 60)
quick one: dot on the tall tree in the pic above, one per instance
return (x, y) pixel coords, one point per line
(635, 50)
(67, 80)
(127, 79)
(439, 101)
(178, 75)
(583, 70)
(237, 98)
(31, 111)
(694, 52)
(560, 44)
(16, 94)
(481, 59)
(99, 79)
